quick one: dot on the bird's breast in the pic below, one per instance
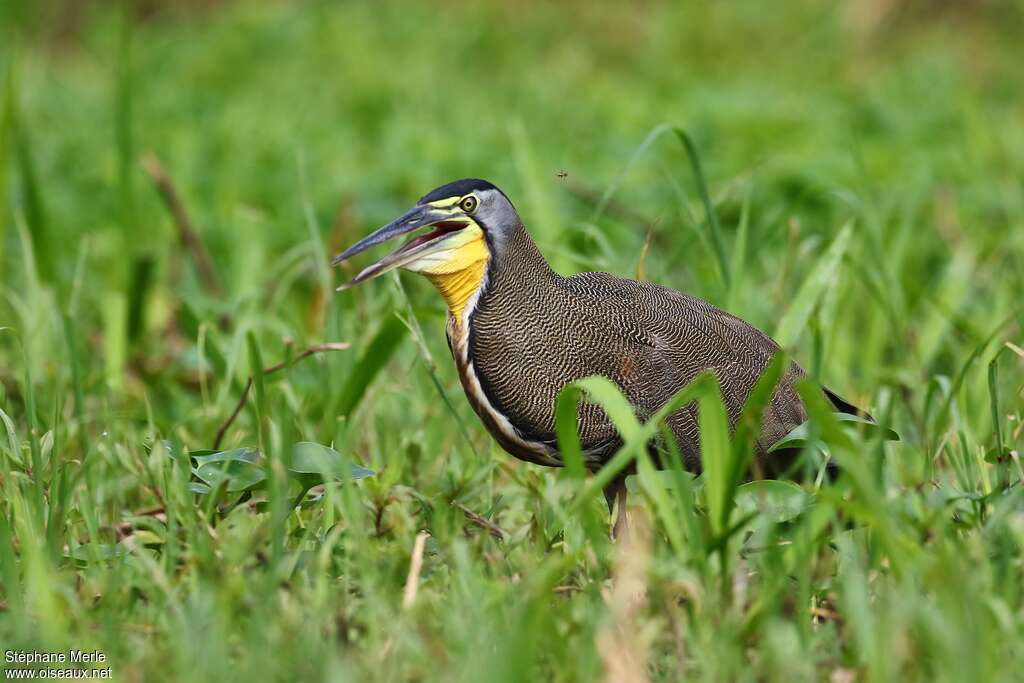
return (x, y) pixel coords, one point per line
(509, 435)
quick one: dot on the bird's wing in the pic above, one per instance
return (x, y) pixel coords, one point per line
(676, 336)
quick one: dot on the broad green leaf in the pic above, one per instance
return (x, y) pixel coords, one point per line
(237, 473)
(204, 457)
(800, 436)
(313, 461)
(779, 501)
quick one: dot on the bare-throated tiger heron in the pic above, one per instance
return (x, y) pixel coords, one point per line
(520, 332)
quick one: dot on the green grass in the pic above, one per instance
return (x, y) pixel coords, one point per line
(852, 184)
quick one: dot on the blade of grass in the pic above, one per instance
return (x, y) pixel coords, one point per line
(413, 325)
(606, 394)
(318, 250)
(141, 282)
(749, 424)
(662, 503)
(275, 472)
(6, 143)
(739, 253)
(958, 382)
(716, 454)
(794, 320)
(75, 366)
(714, 229)
(123, 138)
(32, 418)
(703, 389)
(13, 455)
(58, 489)
(115, 353)
(685, 497)
(31, 198)
(379, 351)
(567, 432)
(9, 563)
(997, 427)
(188, 236)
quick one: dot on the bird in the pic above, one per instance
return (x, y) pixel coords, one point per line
(519, 332)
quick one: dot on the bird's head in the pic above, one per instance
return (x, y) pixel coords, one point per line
(457, 227)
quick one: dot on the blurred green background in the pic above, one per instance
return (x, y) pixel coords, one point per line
(289, 130)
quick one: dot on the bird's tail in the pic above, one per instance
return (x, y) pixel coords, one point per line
(844, 406)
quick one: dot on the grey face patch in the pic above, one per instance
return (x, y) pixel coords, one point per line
(497, 217)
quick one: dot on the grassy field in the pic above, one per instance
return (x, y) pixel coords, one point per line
(863, 162)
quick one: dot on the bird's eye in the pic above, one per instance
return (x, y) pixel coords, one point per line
(468, 204)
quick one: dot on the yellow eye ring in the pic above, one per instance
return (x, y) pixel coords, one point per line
(468, 204)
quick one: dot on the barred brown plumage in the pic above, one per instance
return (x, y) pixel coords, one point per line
(533, 331)
(520, 332)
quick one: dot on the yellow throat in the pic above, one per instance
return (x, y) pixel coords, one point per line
(459, 274)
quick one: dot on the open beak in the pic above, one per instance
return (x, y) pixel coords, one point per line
(444, 222)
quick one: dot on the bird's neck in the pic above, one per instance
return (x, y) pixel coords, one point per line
(521, 269)
(517, 270)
